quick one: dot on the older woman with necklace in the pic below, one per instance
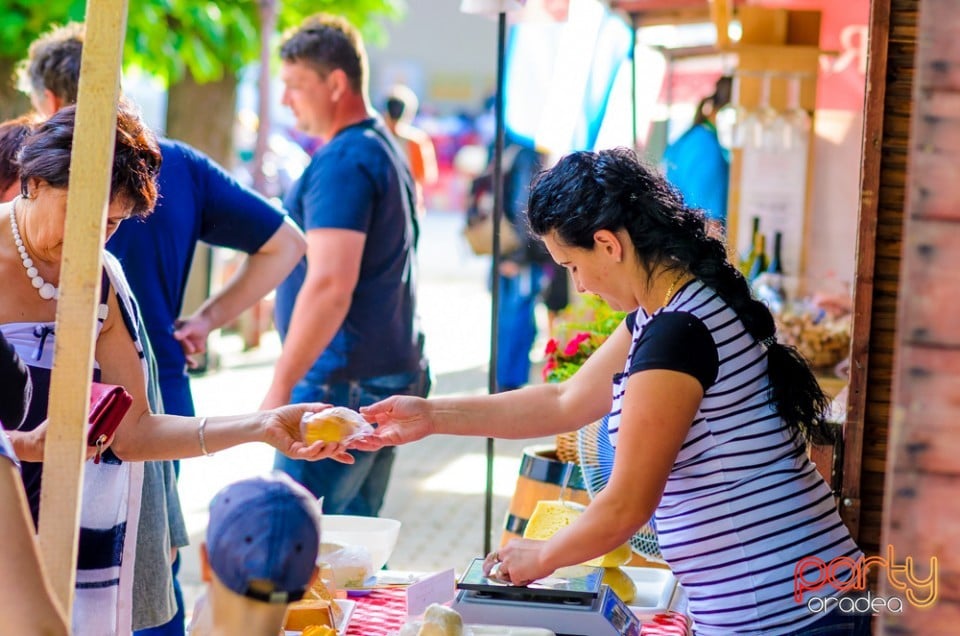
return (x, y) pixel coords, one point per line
(30, 260)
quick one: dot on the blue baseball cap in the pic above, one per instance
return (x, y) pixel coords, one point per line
(263, 538)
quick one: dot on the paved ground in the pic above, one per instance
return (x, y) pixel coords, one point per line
(437, 486)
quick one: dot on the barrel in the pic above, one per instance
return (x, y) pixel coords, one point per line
(541, 477)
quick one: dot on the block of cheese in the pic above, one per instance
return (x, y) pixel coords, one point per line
(302, 614)
(549, 517)
(319, 590)
(440, 620)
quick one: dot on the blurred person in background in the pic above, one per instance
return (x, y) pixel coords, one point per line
(401, 109)
(12, 134)
(348, 313)
(198, 201)
(698, 165)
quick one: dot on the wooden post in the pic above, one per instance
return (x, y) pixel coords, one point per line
(90, 170)
(921, 508)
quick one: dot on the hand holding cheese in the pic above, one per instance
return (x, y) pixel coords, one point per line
(336, 424)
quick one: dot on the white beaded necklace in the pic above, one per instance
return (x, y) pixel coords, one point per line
(46, 290)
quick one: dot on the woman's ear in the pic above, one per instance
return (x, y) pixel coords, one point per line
(609, 243)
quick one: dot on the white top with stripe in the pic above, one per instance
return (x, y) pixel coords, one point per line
(743, 504)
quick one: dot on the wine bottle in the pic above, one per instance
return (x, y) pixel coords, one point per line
(775, 266)
(759, 263)
(747, 256)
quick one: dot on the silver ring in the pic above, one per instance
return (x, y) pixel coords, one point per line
(495, 570)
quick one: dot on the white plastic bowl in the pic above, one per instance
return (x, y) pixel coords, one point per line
(376, 534)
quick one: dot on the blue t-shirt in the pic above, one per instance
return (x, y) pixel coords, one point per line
(697, 165)
(198, 202)
(353, 183)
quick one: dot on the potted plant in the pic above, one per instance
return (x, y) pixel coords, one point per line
(582, 328)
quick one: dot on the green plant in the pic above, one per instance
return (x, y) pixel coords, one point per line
(582, 327)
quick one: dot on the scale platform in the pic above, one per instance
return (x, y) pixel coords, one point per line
(572, 602)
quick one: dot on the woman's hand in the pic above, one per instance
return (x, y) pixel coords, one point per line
(29, 445)
(282, 431)
(519, 562)
(400, 419)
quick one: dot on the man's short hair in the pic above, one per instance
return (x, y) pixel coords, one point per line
(327, 43)
(53, 62)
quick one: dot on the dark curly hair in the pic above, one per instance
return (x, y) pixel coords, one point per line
(612, 190)
(327, 43)
(136, 159)
(12, 134)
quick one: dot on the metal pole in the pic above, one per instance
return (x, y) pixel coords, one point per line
(268, 24)
(495, 271)
(634, 25)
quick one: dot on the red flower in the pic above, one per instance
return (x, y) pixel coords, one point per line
(574, 345)
(552, 346)
(549, 366)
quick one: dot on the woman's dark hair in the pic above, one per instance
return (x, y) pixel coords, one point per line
(612, 190)
(12, 135)
(136, 159)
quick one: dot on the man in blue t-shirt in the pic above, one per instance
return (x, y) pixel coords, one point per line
(198, 201)
(347, 313)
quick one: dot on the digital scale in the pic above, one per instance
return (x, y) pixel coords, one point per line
(571, 602)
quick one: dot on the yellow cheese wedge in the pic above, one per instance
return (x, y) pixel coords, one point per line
(549, 517)
(620, 583)
(328, 429)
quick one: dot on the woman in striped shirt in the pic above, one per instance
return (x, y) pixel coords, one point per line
(708, 413)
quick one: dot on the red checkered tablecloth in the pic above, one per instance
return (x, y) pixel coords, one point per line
(382, 613)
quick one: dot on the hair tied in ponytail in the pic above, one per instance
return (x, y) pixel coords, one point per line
(768, 342)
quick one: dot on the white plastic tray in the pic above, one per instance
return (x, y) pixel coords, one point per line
(655, 587)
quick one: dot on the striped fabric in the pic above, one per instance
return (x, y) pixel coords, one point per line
(110, 501)
(743, 504)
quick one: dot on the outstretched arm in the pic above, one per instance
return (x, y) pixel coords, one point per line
(533, 411)
(260, 273)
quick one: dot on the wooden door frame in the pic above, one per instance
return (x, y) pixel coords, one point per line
(874, 97)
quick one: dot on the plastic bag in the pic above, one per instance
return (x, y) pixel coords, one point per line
(334, 424)
(351, 564)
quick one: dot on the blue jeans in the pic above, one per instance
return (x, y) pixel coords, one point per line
(358, 488)
(517, 326)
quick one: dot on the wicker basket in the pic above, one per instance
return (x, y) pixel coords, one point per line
(823, 342)
(567, 447)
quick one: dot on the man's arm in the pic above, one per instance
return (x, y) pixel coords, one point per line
(260, 273)
(333, 269)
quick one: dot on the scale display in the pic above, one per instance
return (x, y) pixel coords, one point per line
(581, 583)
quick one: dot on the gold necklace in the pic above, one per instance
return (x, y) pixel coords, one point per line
(673, 285)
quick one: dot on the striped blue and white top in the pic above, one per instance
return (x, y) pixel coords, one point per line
(743, 504)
